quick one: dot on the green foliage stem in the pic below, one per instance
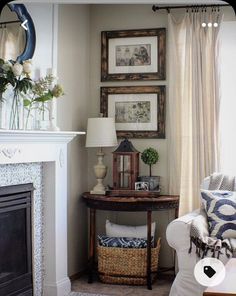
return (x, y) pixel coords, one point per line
(150, 157)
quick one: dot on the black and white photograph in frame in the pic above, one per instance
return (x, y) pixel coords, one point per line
(141, 186)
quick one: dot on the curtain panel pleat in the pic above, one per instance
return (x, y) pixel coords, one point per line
(12, 42)
(193, 108)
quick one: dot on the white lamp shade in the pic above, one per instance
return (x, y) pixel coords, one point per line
(101, 132)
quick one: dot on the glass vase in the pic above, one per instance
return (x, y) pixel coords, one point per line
(2, 113)
(29, 119)
(43, 116)
(16, 119)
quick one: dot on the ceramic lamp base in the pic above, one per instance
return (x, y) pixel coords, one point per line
(98, 192)
(99, 188)
(100, 171)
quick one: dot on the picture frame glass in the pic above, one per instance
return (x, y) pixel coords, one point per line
(134, 112)
(133, 55)
(139, 111)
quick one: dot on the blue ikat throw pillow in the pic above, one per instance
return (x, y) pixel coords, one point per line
(220, 207)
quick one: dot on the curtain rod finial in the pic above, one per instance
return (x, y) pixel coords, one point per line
(155, 8)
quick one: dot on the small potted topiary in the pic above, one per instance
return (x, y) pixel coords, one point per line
(150, 156)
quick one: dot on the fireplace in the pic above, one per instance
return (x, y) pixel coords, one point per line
(46, 153)
(16, 240)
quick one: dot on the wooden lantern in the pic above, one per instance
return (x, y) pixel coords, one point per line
(125, 166)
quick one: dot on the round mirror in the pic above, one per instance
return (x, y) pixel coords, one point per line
(17, 42)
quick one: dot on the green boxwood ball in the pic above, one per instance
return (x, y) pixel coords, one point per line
(150, 156)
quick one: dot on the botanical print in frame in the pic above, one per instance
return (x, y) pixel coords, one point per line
(139, 111)
(134, 112)
(133, 55)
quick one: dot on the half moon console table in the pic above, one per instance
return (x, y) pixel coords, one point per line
(136, 201)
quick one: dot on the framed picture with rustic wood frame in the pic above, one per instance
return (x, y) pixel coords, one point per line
(139, 111)
(133, 55)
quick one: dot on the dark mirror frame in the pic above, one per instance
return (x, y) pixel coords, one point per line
(30, 43)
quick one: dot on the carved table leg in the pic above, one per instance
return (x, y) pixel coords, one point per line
(92, 240)
(176, 212)
(176, 217)
(149, 250)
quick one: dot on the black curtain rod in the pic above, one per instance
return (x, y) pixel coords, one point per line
(156, 7)
(9, 22)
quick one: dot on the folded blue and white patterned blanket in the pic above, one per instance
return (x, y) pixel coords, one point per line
(205, 244)
(214, 231)
(123, 242)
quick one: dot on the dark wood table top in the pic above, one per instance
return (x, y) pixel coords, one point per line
(131, 201)
(228, 286)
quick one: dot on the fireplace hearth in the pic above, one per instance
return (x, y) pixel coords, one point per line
(16, 240)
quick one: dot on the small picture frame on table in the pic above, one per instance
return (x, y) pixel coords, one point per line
(141, 186)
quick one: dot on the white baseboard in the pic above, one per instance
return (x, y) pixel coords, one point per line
(61, 288)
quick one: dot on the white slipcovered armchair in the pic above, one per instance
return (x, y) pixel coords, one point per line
(178, 237)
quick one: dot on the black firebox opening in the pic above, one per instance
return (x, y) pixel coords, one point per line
(16, 240)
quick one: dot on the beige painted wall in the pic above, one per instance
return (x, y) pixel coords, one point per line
(118, 17)
(73, 70)
(79, 71)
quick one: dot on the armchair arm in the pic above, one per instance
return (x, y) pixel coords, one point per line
(178, 231)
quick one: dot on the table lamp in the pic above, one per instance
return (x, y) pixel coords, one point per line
(101, 132)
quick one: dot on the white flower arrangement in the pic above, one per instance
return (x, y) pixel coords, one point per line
(34, 93)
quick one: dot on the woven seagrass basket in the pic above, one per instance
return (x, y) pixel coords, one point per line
(126, 266)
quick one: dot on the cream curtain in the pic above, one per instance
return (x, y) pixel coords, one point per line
(228, 101)
(12, 42)
(3, 40)
(193, 108)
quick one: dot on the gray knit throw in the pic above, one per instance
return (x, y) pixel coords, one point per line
(222, 182)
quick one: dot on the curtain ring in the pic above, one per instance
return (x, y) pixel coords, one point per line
(218, 15)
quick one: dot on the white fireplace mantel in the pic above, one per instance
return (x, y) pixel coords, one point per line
(50, 148)
(31, 136)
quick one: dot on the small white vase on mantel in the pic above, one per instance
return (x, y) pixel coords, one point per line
(52, 116)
